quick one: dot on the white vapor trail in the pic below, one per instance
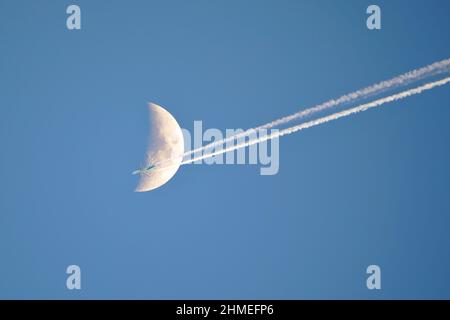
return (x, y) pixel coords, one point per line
(334, 116)
(401, 80)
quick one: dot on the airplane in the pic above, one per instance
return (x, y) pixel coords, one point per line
(144, 170)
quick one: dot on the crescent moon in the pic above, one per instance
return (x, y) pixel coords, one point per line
(166, 144)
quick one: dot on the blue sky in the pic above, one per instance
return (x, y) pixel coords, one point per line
(368, 189)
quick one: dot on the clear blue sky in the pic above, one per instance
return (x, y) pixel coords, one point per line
(369, 189)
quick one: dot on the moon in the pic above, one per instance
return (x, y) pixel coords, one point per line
(166, 144)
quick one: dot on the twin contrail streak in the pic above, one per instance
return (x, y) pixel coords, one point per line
(334, 116)
(398, 81)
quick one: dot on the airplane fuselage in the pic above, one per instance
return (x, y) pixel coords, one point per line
(144, 170)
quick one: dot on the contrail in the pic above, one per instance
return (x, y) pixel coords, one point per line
(398, 81)
(334, 116)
